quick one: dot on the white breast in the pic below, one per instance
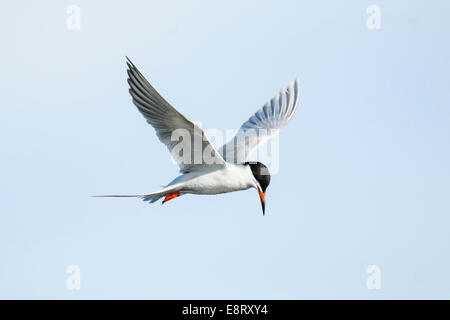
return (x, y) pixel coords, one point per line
(231, 178)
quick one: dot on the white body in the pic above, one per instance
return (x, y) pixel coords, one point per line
(232, 177)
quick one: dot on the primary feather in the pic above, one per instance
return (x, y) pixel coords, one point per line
(263, 125)
(166, 120)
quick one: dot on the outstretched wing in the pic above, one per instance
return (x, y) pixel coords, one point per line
(187, 142)
(263, 125)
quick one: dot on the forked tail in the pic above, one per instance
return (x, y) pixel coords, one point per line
(150, 197)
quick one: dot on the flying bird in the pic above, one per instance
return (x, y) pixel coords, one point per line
(205, 170)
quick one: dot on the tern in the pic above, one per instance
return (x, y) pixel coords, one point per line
(204, 169)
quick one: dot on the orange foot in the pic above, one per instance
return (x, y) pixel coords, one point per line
(171, 196)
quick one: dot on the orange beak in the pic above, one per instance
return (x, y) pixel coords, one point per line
(262, 196)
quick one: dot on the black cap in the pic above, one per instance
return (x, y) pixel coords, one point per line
(261, 174)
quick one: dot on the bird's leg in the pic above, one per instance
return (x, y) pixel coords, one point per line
(171, 196)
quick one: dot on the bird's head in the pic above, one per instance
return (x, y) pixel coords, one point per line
(262, 176)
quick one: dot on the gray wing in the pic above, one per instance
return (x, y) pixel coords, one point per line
(263, 125)
(187, 142)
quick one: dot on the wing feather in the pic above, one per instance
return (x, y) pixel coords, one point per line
(165, 119)
(263, 125)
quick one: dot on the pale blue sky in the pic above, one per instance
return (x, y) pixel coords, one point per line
(364, 164)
